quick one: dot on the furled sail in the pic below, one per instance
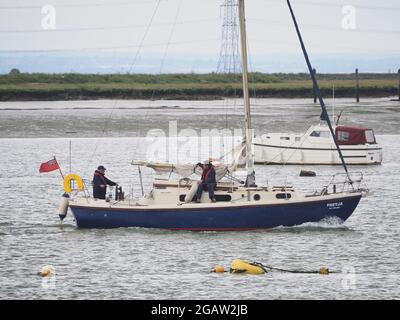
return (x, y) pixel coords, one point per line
(186, 170)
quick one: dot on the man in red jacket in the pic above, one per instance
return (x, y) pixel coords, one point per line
(208, 181)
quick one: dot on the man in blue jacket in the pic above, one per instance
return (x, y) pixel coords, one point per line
(100, 183)
(208, 181)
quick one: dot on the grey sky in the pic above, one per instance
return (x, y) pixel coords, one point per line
(120, 25)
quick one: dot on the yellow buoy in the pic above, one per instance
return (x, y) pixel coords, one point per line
(47, 271)
(243, 266)
(76, 178)
(219, 269)
(323, 270)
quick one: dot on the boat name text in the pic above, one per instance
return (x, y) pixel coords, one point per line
(334, 205)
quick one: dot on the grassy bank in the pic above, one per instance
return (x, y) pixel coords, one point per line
(24, 87)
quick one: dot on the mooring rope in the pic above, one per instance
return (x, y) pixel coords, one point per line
(265, 267)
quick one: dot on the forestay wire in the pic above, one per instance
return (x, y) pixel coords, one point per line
(132, 65)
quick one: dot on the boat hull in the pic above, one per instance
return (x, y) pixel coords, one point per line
(231, 218)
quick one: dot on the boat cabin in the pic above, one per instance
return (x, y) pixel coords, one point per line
(347, 135)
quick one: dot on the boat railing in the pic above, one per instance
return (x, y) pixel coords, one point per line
(340, 183)
(85, 189)
(112, 194)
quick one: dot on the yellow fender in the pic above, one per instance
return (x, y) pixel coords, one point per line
(76, 178)
(243, 266)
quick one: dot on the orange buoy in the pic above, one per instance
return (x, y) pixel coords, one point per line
(324, 270)
(219, 269)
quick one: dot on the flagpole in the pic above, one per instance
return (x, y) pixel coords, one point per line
(59, 168)
(70, 155)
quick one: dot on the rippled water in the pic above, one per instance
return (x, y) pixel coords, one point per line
(157, 264)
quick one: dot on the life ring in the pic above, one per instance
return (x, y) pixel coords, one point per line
(76, 178)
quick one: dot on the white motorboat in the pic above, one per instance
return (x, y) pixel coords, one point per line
(316, 147)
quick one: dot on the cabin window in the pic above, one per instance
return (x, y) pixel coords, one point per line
(285, 138)
(343, 136)
(223, 197)
(257, 197)
(297, 139)
(283, 195)
(322, 134)
(325, 134)
(218, 197)
(369, 136)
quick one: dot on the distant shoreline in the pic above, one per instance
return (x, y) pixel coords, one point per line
(64, 87)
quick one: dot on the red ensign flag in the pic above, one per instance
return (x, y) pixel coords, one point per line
(48, 166)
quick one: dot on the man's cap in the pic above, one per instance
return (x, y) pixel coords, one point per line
(101, 168)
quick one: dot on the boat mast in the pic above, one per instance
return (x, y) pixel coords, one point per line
(250, 181)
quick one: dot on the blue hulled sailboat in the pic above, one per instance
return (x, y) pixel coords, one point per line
(238, 206)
